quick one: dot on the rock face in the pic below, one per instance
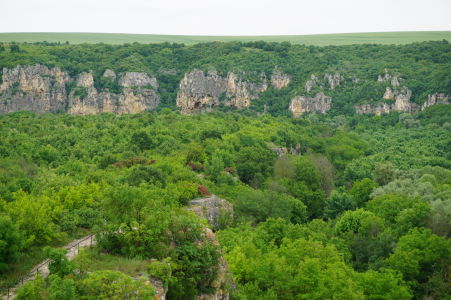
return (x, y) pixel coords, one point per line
(131, 79)
(279, 79)
(201, 92)
(137, 95)
(437, 98)
(40, 89)
(333, 80)
(310, 84)
(223, 277)
(303, 104)
(35, 88)
(401, 97)
(377, 109)
(213, 209)
(388, 95)
(402, 103)
(160, 289)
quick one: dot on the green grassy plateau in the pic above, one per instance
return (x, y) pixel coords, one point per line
(317, 39)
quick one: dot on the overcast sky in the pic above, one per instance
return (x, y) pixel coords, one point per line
(220, 17)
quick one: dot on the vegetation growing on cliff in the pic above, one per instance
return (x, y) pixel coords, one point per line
(424, 67)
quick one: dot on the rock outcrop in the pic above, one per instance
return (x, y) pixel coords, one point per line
(137, 95)
(136, 79)
(40, 89)
(279, 79)
(213, 209)
(201, 92)
(35, 88)
(377, 109)
(310, 84)
(304, 104)
(333, 80)
(401, 104)
(437, 98)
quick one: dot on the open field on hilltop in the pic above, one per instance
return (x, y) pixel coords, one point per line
(318, 39)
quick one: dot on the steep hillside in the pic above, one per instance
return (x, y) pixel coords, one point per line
(259, 77)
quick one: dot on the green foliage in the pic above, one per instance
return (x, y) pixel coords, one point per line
(161, 270)
(338, 202)
(80, 92)
(11, 242)
(384, 173)
(61, 289)
(59, 264)
(304, 226)
(361, 190)
(384, 285)
(197, 269)
(32, 290)
(257, 206)
(422, 257)
(142, 140)
(113, 285)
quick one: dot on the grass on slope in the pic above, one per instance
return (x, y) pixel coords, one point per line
(317, 39)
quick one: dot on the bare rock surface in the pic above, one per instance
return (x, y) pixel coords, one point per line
(279, 79)
(303, 104)
(200, 91)
(212, 209)
(40, 89)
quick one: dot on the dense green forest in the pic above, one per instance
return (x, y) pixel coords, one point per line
(424, 67)
(333, 206)
(361, 210)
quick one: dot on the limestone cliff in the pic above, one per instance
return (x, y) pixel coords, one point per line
(41, 89)
(387, 77)
(333, 80)
(310, 84)
(35, 88)
(304, 104)
(437, 98)
(199, 91)
(400, 95)
(137, 95)
(279, 79)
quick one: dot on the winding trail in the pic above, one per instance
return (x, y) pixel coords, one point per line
(43, 267)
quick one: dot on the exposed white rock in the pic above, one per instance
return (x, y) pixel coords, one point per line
(436, 98)
(279, 79)
(388, 95)
(333, 80)
(201, 92)
(304, 104)
(109, 74)
(311, 83)
(136, 79)
(85, 80)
